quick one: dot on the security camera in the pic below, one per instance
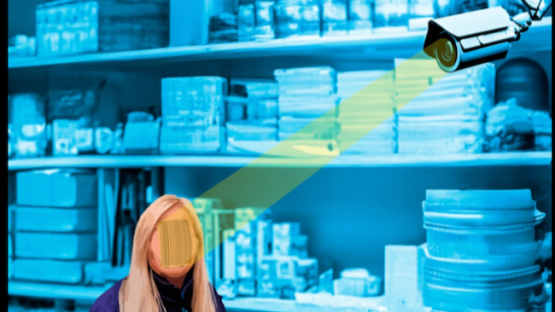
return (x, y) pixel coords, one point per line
(477, 37)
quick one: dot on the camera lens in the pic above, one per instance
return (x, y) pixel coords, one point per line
(446, 54)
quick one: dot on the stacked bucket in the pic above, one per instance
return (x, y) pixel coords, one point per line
(481, 250)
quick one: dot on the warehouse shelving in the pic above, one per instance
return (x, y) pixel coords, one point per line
(127, 161)
(375, 46)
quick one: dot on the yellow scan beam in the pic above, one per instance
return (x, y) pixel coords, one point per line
(268, 178)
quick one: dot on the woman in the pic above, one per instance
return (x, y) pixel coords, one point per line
(162, 278)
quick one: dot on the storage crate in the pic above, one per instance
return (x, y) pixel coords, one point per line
(60, 246)
(57, 188)
(76, 26)
(70, 272)
(43, 219)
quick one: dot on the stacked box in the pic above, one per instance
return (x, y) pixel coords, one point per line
(69, 272)
(282, 276)
(252, 110)
(246, 225)
(357, 283)
(287, 240)
(391, 15)
(297, 18)
(65, 188)
(66, 27)
(193, 114)
(256, 20)
(360, 17)
(55, 233)
(205, 210)
(223, 28)
(366, 116)
(307, 95)
(26, 114)
(287, 268)
(334, 18)
(448, 117)
(59, 219)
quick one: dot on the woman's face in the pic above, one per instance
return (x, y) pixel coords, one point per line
(154, 251)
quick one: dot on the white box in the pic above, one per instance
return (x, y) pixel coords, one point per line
(401, 276)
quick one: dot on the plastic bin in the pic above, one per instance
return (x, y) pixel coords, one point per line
(59, 246)
(69, 272)
(43, 219)
(57, 188)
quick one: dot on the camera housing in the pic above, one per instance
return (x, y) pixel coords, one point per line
(468, 39)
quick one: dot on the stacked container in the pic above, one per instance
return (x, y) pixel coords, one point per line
(308, 106)
(391, 15)
(26, 114)
(364, 117)
(252, 111)
(442, 114)
(361, 17)
(55, 224)
(481, 250)
(297, 18)
(256, 20)
(65, 27)
(205, 207)
(334, 18)
(246, 249)
(287, 269)
(192, 114)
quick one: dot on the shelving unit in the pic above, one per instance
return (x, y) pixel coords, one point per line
(377, 46)
(125, 161)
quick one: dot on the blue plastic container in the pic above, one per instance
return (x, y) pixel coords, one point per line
(57, 188)
(60, 246)
(43, 219)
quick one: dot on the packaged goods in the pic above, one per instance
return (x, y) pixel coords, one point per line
(67, 27)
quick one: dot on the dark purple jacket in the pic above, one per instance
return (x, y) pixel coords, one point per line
(173, 298)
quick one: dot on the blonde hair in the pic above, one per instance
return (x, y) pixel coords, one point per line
(138, 291)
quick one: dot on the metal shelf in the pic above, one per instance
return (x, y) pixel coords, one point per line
(371, 47)
(126, 161)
